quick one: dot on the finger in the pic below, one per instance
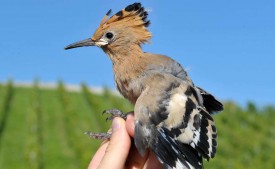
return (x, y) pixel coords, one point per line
(98, 156)
(118, 148)
(130, 125)
(135, 160)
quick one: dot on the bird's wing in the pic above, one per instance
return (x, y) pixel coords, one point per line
(212, 105)
(169, 120)
(165, 64)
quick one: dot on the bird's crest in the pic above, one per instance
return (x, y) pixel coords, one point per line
(133, 17)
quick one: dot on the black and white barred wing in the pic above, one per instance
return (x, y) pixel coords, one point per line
(211, 104)
(170, 121)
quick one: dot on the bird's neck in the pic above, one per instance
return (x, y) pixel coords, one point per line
(128, 66)
(121, 54)
(126, 60)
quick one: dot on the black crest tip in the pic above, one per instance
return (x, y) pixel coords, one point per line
(109, 12)
(119, 13)
(129, 8)
(146, 24)
(137, 6)
(133, 7)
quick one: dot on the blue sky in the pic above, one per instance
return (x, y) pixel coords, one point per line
(228, 47)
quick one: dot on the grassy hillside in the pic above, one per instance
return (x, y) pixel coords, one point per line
(43, 128)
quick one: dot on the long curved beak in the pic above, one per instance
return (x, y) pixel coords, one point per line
(86, 42)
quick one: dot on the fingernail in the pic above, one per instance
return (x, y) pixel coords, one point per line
(115, 124)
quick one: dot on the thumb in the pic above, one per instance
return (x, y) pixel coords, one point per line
(118, 147)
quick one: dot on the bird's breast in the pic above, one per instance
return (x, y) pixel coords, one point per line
(129, 88)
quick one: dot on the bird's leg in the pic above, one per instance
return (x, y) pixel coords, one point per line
(99, 136)
(113, 113)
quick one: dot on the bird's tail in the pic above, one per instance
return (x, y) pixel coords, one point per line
(173, 154)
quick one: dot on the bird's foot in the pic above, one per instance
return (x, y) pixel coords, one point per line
(115, 113)
(99, 136)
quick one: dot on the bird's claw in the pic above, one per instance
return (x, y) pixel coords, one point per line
(98, 136)
(114, 113)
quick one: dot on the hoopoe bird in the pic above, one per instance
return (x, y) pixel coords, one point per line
(172, 115)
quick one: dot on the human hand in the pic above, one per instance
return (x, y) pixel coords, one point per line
(119, 152)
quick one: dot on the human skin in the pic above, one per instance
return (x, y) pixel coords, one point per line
(120, 152)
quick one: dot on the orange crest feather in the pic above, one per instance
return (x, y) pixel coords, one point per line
(133, 17)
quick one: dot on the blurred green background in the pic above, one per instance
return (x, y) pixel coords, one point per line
(43, 128)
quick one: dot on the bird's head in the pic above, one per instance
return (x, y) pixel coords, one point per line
(119, 32)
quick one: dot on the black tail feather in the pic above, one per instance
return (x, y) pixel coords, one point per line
(174, 154)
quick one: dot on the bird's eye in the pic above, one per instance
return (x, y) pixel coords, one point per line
(109, 35)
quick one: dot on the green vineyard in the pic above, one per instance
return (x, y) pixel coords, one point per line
(43, 129)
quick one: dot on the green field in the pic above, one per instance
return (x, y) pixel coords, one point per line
(43, 128)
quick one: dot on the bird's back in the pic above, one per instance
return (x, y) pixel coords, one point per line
(164, 64)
